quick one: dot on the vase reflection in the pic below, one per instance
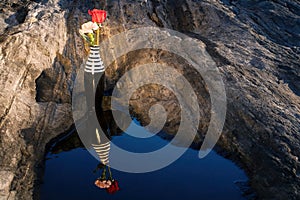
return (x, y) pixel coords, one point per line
(69, 172)
(102, 148)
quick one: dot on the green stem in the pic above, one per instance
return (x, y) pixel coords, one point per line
(91, 38)
(98, 36)
(110, 176)
(103, 176)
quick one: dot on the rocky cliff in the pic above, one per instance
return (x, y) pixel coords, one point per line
(254, 43)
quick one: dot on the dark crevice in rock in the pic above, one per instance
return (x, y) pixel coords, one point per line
(28, 135)
(51, 85)
(153, 15)
(21, 14)
(155, 19)
(180, 15)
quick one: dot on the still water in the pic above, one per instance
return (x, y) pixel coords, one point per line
(69, 174)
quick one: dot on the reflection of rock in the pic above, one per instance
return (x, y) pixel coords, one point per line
(67, 143)
(72, 140)
(254, 43)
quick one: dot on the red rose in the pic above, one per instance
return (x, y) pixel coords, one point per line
(98, 16)
(114, 187)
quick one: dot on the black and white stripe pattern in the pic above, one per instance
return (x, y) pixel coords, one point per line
(94, 63)
(103, 152)
(102, 149)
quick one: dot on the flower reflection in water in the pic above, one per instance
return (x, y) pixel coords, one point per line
(114, 187)
(108, 183)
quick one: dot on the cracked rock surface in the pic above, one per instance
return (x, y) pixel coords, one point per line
(255, 45)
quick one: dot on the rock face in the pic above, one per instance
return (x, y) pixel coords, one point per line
(254, 43)
(30, 50)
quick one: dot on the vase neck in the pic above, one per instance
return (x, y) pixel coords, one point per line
(95, 48)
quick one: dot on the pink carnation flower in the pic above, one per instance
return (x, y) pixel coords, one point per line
(88, 27)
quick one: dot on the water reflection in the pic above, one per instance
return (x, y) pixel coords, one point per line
(70, 174)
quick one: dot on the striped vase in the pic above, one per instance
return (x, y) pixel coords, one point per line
(102, 151)
(102, 147)
(94, 63)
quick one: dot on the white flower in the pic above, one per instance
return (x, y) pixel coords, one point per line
(88, 27)
(81, 32)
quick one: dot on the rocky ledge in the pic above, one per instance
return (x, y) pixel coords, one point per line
(254, 43)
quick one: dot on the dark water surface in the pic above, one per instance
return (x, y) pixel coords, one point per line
(69, 175)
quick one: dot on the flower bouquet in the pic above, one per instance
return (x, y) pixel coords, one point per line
(111, 185)
(90, 30)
